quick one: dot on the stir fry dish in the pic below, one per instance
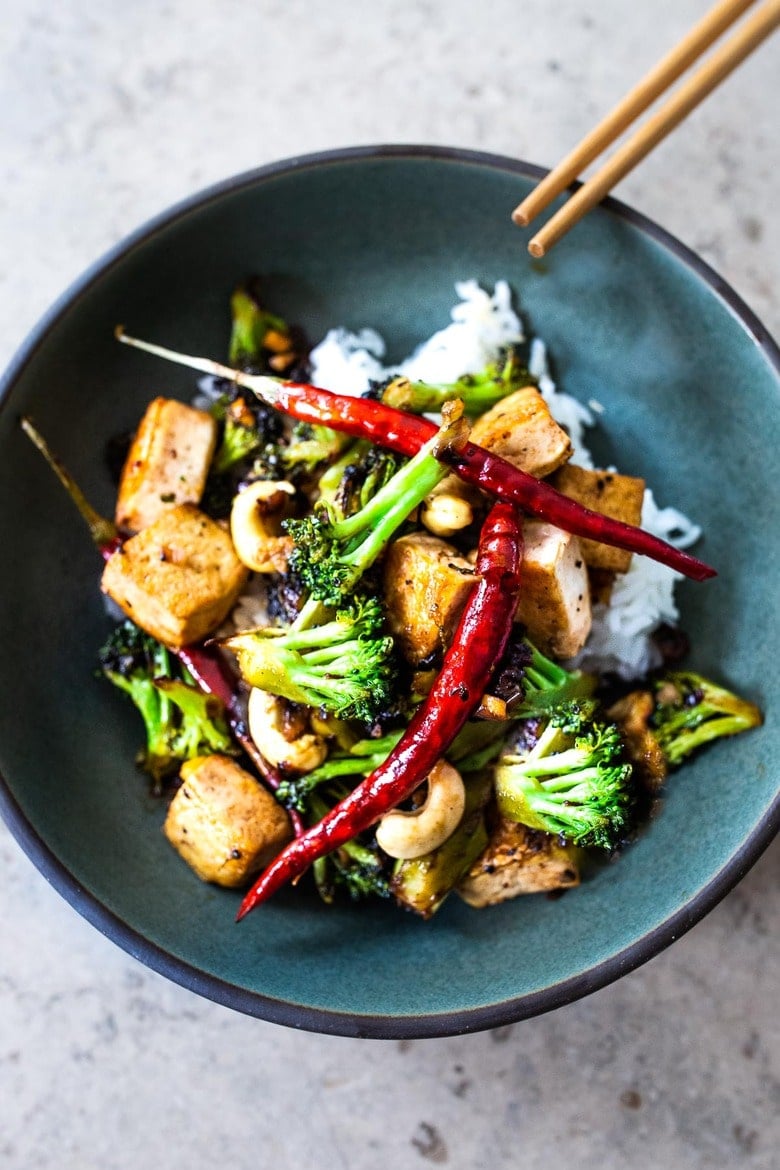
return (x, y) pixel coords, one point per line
(386, 633)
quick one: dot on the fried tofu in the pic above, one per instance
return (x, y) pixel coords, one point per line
(618, 496)
(633, 713)
(519, 860)
(554, 602)
(177, 579)
(167, 463)
(223, 822)
(426, 586)
(521, 430)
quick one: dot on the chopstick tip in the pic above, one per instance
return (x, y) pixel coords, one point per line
(519, 217)
(536, 248)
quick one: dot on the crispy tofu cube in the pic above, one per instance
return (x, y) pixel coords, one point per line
(554, 601)
(618, 496)
(426, 585)
(177, 579)
(519, 860)
(223, 822)
(167, 463)
(521, 429)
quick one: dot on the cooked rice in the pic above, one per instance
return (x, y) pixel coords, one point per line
(481, 324)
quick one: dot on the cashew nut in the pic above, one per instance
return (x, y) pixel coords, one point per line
(266, 717)
(407, 835)
(255, 525)
(448, 508)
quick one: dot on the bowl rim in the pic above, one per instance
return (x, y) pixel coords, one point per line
(322, 1020)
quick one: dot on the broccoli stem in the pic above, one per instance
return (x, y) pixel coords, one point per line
(102, 530)
(310, 614)
(332, 552)
(364, 756)
(478, 392)
(388, 509)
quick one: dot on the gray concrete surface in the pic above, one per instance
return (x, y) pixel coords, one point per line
(109, 112)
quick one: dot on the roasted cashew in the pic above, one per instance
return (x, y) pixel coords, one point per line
(255, 525)
(407, 835)
(448, 508)
(265, 714)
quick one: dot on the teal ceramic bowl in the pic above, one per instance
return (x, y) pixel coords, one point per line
(378, 236)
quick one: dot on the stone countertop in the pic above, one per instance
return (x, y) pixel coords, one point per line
(110, 113)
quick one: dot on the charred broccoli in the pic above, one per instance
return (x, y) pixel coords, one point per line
(241, 435)
(258, 338)
(691, 711)
(532, 684)
(357, 866)
(332, 551)
(181, 721)
(361, 759)
(311, 445)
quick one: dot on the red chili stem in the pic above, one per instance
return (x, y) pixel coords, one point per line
(478, 643)
(406, 433)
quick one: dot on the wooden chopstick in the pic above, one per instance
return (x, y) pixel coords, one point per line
(694, 89)
(636, 101)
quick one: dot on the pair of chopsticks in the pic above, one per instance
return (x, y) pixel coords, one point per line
(756, 28)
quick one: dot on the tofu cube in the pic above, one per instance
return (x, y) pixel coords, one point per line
(521, 430)
(426, 586)
(223, 822)
(618, 496)
(519, 860)
(167, 463)
(554, 601)
(179, 578)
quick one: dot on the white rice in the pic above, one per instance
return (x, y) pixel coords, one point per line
(481, 323)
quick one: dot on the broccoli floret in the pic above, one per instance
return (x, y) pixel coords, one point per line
(478, 392)
(366, 474)
(344, 664)
(250, 446)
(333, 551)
(181, 722)
(257, 336)
(532, 684)
(361, 871)
(329, 482)
(239, 441)
(690, 711)
(357, 866)
(573, 781)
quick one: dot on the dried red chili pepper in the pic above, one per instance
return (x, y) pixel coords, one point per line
(364, 418)
(478, 643)
(406, 433)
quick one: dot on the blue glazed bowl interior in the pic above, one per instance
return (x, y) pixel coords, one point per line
(689, 382)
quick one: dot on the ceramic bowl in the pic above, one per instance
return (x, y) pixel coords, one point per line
(379, 236)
